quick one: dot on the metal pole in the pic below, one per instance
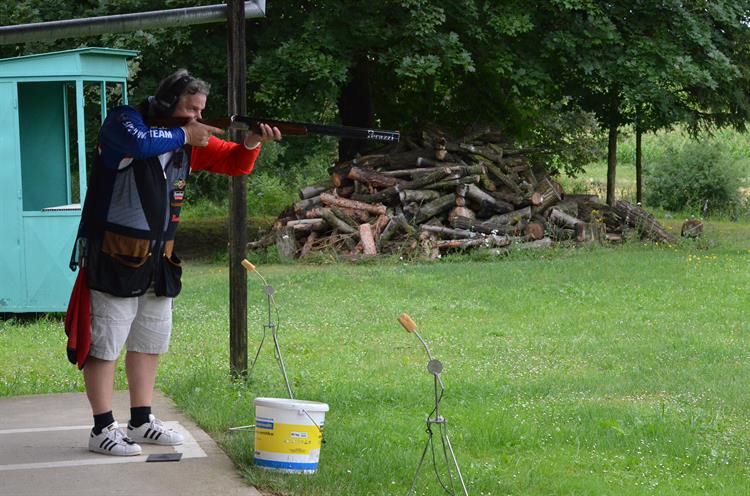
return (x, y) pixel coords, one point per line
(94, 26)
(237, 103)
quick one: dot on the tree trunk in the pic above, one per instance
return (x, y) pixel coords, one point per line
(638, 166)
(355, 107)
(611, 164)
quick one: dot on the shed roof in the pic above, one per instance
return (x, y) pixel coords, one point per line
(82, 63)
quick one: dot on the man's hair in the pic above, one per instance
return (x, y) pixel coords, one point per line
(174, 86)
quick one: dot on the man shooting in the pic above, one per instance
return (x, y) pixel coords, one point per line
(130, 215)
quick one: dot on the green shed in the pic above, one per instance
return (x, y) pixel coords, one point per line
(47, 99)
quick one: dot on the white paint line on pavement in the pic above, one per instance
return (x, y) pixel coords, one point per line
(189, 449)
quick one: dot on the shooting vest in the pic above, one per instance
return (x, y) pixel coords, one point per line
(129, 220)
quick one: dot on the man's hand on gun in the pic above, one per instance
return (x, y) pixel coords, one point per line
(268, 133)
(197, 134)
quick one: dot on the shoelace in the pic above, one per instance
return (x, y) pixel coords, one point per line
(158, 425)
(118, 435)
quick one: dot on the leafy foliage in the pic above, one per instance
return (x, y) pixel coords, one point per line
(688, 177)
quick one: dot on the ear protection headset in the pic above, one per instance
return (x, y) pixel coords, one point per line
(167, 96)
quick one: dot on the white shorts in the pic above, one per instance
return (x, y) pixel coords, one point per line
(141, 323)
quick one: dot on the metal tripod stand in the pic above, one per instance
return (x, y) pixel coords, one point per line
(435, 367)
(270, 325)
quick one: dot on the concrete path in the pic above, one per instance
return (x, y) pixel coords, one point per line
(43, 451)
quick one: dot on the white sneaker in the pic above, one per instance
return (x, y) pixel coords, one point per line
(112, 441)
(155, 432)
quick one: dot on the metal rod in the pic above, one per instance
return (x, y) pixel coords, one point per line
(429, 355)
(121, 23)
(455, 462)
(281, 363)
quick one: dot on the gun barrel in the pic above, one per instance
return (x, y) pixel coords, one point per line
(302, 128)
(288, 128)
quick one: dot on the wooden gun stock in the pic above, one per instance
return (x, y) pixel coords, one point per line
(287, 128)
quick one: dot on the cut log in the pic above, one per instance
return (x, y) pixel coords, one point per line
(307, 225)
(448, 167)
(418, 195)
(340, 175)
(453, 181)
(588, 232)
(335, 222)
(428, 243)
(433, 208)
(404, 159)
(562, 219)
(513, 198)
(487, 201)
(344, 216)
(486, 227)
(534, 230)
(331, 200)
(367, 240)
(379, 225)
(315, 189)
(303, 206)
(286, 243)
(397, 222)
(371, 161)
(485, 152)
(448, 232)
(371, 178)
(503, 177)
(459, 211)
(389, 194)
(309, 242)
(513, 217)
(549, 191)
(635, 216)
(486, 241)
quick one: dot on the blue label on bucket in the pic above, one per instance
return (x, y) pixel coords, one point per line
(264, 423)
(288, 465)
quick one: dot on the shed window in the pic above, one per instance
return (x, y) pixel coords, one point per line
(44, 148)
(50, 165)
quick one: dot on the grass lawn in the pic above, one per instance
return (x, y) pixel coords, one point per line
(616, 371)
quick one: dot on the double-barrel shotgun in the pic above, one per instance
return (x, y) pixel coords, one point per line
(287, 128)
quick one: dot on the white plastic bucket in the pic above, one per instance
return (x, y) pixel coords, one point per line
(288, 434)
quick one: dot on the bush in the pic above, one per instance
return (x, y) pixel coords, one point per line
(685, 177)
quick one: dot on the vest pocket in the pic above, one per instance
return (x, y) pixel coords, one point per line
(117, 274)
(169, 277)
(129, 251)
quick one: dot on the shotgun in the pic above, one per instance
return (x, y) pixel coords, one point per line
(287, 128)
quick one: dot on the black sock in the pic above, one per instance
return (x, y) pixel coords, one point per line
(139, 415)
(101, 421)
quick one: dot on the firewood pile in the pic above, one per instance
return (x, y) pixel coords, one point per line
(435, 195)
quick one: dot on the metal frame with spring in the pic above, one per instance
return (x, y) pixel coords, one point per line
(435, 367)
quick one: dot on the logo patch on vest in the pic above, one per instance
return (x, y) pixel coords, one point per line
(178, 196)
(179, 184)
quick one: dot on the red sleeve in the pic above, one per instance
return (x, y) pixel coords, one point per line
(223, 157)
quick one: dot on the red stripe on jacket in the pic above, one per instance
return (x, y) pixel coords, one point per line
(224, 157)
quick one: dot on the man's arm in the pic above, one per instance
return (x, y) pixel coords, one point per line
(224, 157)
(125, 133)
